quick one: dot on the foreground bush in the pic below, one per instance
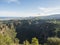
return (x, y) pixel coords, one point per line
(7, 35)
(53, 41)
(26, 42)
(35, 41)
(5, 40)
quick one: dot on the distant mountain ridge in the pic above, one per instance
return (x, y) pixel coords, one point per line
(55, 16)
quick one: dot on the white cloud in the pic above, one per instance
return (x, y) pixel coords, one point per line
(49, 11)
(16, 14)
(42, 12)
(12, 1)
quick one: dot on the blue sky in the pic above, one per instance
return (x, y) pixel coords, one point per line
(26, 8)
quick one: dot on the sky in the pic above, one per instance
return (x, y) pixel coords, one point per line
(26, 8)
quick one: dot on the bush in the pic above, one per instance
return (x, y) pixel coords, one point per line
(53, 41)
(35, 41)
(26, 42)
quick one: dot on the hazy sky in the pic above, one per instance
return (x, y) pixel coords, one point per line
(23, 8)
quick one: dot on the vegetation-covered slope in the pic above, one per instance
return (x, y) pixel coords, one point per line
(28, 29)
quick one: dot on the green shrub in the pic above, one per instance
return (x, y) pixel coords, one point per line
(26, 42)
(35, 41)
(53, 41)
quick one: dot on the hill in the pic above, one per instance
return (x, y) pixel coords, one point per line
(55, 16)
